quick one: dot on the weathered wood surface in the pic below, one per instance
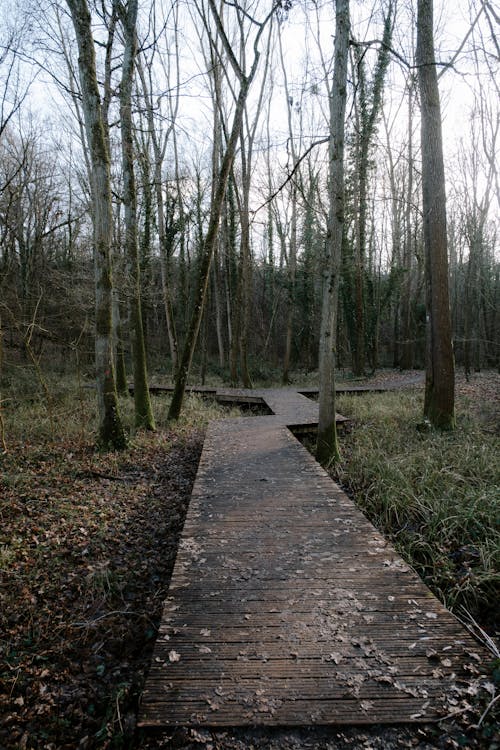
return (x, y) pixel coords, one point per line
(249, 396)
(289, 406)
(287, 607)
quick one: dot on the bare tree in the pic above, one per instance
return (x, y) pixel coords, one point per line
(439, 405)
(111, 431)
(291, 107)
(245, 80)
(142, 401)
(159, 141)
(327, 446)
(367, 107)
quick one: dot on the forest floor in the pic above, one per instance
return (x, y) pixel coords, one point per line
(87, 546)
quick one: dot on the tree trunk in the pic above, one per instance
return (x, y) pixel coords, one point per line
(158, 152)
(439, 404)
(218, 312)
(111, 432)
(327, 446)
(368, 115)
(407, 347)
(217, 203)
(206, 257)
(142, 402)
(121, 370)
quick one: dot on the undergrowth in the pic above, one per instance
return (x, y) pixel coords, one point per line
(435, 495)
(70, 413)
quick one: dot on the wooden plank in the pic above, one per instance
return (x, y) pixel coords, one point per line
(287, 607)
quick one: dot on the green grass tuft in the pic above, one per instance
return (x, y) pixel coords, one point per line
(72, 415)
(436, 495)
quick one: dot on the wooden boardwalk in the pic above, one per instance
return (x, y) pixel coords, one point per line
(287, 607)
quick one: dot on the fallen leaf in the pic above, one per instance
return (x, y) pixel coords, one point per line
(336, 657)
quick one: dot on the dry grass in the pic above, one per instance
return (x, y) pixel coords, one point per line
(436, 495)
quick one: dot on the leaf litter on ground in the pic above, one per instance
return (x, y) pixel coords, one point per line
(87, 549)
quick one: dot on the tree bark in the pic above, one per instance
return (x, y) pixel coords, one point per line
(327, 445)
(245, 81)
(111, 432)
(407, 347)
(206, 258)
(439, 403)
(142, 402)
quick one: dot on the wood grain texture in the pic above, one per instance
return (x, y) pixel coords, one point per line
(287, 607)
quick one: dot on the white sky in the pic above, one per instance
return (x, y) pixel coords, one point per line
(452, 20)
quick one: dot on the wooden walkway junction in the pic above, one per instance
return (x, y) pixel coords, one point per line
(287, 607)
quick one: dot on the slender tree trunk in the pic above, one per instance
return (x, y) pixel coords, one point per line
(291, 292)
(217, 203)
(292, 244)
(232, 283)
(439, 405)
(218, 311)
(142, 402)
(158, 152)
(121, 370)
(206, 257)
(407, 348)
(327, 446)
(246, 273)
(358, 365)
(368, 115)
(111, 432)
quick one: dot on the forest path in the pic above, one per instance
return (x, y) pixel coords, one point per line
(286, 606)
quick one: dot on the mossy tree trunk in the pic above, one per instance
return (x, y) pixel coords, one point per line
(111, 431)
(164, 258)
(439, 404)
(407, 353)
(142, 402)
(327, 445)
(217, 204)
(370, 102)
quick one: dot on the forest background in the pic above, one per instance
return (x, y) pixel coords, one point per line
(263, 305)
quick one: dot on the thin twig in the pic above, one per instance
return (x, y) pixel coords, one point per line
(476, 630)
(291, 174)
(88, 623)
(118, 712)
(486, 711)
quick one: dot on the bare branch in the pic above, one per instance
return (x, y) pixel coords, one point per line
(292, 172)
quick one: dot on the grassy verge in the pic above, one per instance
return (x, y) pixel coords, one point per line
(435, 495)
